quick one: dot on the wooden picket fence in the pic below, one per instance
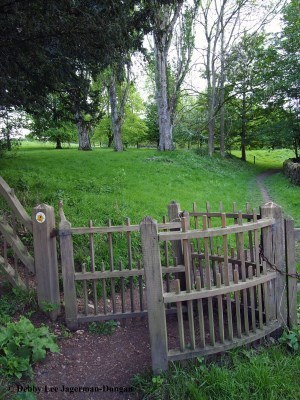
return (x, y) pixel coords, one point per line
(207, 281)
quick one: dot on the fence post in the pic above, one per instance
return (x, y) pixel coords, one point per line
(291, 270)
(68, 270)
(45, 257)
(155, 301)
(274, 251)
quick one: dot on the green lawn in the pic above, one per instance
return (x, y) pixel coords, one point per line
(103, 184)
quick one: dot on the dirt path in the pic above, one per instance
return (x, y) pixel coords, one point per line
(260, 180)
(92, 367)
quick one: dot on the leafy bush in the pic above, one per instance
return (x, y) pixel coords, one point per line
(21, 345)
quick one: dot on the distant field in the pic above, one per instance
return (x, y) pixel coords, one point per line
(102, 184)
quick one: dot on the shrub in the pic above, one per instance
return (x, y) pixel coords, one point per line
(21, 345)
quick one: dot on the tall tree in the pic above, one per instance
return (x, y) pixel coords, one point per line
(171, 21)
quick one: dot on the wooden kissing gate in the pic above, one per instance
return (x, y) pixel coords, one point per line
(208, 281)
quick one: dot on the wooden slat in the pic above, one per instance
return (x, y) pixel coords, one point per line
(211, 241)
(17, 245)
(68, 269)
(257, 269)
(116, 228)
(92, 255)
(227, 279)
(187, 262)
(220, 311)
(110, 316)
(291, 270)
(194, 295)
(122, 289)
(156, 308)
(111, 264)
(104, 296)
(85, 292)
(243, 273)
(180, 317)
(213, 232)
(237, 305)
(196, 222)
(252, 301)
(8, 194)
(124, 273)
(10, 273)
(167, 260)
(200, 314)
(129, 253)
(141, 290)
(208, 285)
(219, 214)
(176, 355)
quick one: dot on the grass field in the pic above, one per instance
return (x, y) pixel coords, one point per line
(103, 184)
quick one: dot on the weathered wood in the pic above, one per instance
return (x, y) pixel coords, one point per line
(177, 250)
(176, 355)
(104, 297)
(129, 253)
(8, 194)
(219, 214)
(237, 305)
(274, 251)
(291, 271)
(227, 278)
(240, 247)
(45, 257)
(220, 311)
(10, 273)
(252, 302)
(68, 270)
(92, 255)
(213, 232)
(180, 317)
(85, 292)
(141, 290)
(200, 314)
(117, 228)
(15, 242)
(297, 234)
(155, 301)
(111, 263)
(214, 291)
(79, 276)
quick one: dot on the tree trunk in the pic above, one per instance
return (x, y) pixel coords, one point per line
(58, 144)
(164, 118)
(116, 119)
(84, 142)
(243, 131)
(8, 140)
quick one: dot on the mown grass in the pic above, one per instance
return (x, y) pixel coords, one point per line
(266, 159)
(267, 374)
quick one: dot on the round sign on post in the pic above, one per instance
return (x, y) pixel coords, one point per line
(40, 217)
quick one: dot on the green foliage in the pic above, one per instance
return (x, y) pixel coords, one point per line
(16, 301)
(21, 345)
(291, 337)
(269, 373)
(48, 307)
(103, 328)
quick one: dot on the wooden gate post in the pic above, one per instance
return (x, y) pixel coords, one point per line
(45, 257)
(68, 271)
(291, 270)
(274, 250)
(155, 301)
